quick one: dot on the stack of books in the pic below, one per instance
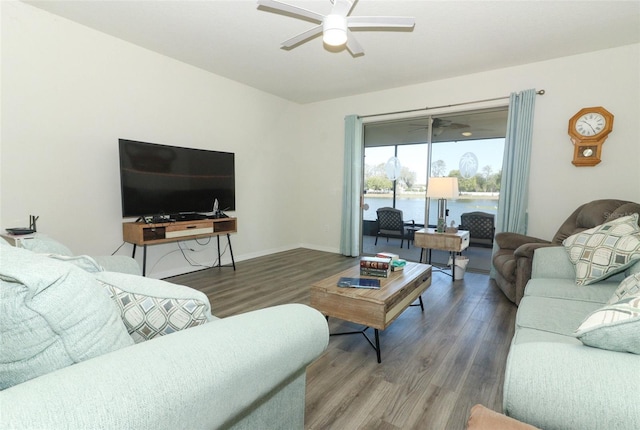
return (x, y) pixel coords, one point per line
(397, 264)
(375, 266)
(389, 255)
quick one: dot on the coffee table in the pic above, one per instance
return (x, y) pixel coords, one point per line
(375, 309)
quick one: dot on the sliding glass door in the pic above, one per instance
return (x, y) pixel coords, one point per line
(477, 164)
(400, 156)
(405, 191)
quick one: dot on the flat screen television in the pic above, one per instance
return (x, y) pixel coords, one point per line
(170, 180)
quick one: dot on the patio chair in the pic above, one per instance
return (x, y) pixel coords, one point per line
(481, 227)
(391, 224)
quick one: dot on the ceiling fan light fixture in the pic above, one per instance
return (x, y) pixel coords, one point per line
(334, 30)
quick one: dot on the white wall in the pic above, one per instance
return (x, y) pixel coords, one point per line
(69, 93)
(609, 78)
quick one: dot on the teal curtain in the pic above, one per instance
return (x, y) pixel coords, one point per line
(514, 186)
(352, 184)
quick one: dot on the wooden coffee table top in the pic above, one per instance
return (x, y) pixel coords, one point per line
(373, 308)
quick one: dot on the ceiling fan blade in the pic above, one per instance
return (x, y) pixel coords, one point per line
(353, 46)
(380, 21)
(302, 37)
(342, 7)
(292, 10)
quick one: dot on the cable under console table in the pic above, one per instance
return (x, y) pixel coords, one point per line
(143, 234)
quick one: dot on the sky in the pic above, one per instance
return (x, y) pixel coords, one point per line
(488, 152)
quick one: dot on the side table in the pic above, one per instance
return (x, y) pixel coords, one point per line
(17, 239)
(428, 238)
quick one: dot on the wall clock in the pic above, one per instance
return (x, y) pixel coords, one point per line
(588, 129)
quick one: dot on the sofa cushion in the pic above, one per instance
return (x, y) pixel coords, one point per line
(568, 289)
(615, 326)
(563, 386)
(553, 315)
(151, 307)
(604, 250)
(52, 315)
(525, 335)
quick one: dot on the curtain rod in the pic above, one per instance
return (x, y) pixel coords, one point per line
(539, 92)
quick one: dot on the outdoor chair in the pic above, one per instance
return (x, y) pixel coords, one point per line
(481, 227)
(391, 224)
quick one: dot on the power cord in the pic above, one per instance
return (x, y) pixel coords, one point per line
(182, 250)
(118, 248)
(194, 263)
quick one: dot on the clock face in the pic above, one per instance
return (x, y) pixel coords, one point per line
(590, 124)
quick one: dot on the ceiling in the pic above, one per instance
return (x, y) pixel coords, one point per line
(476, 125)
(236, 40)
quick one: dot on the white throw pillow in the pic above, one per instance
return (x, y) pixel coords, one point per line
(605, 250)
(616, 326)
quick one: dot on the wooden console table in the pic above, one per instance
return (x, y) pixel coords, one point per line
(428, 238)
(143, 234)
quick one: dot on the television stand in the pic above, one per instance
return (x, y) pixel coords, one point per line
(188, 217)
(143, 234)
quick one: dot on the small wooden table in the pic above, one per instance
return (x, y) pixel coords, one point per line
(375, 309)
(428, 238)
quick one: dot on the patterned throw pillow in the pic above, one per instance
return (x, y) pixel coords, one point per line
(616, 326)
(630, 287)
(604, 250)
(147, 317)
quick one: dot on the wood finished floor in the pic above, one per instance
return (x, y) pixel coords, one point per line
(435, 365)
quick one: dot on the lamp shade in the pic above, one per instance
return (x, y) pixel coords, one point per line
(334, 28)
(443, 188)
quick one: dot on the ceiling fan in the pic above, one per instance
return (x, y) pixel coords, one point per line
(445, 123)
(336, 26)
(439, 125)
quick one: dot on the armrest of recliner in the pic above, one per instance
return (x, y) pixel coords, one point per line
(508, 240)
(204, 377)
(526, 250)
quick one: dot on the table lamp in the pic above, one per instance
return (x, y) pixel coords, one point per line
(442, 189)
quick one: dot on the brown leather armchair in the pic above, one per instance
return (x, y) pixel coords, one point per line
(512, 260)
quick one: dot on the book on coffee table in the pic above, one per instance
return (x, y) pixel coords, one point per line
(359, 283)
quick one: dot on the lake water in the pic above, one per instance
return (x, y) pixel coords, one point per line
(413, 208)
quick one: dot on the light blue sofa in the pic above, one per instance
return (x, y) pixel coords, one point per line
(241, 372)
(43, 244)
(554, 381)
